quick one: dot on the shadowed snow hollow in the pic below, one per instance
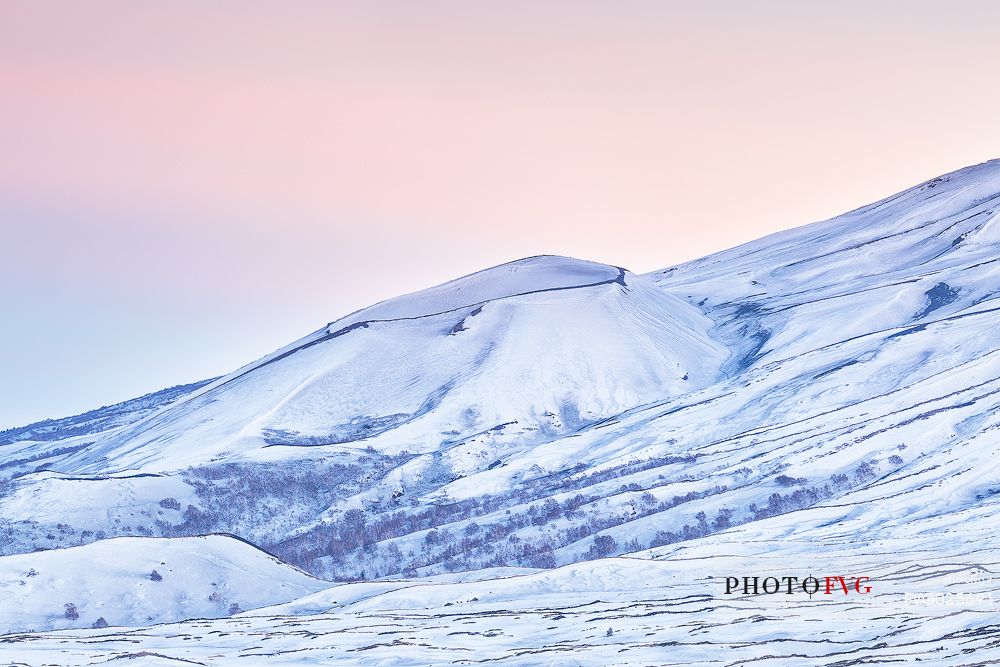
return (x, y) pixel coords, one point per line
(509, 356)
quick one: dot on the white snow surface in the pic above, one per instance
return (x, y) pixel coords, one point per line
(199, 577)
(533, 349)
(840, 415)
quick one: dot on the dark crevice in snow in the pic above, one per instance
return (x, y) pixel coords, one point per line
(938, 296)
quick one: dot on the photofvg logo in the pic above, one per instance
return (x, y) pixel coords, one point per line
(970, 586)
(967, 588)
(826, 585)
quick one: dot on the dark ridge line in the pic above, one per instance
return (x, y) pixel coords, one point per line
(976, 266)
(862, 244)
(258, 548)
(930, 413)
(840, 295)
(102, 478)
(843, 217)
(894, 332)
(154, 654)
(875, 240)
(363, 324)
(761, 430)
(836, 368)
(958, 241)
(468, 275)
(740, 302)
(619, 279)
(768, 297)
(111, 410)
(826, 234)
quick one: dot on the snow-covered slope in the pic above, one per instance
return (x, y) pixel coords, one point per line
(387, 405)
(133, 581)
(827, 397)
(618, 611)
(529, 349)
(97, 420)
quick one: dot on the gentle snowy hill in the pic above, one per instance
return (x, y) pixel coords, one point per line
(529, 350)
(195, 577)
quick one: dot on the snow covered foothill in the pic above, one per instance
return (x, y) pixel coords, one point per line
(134, 581)
(91, 503)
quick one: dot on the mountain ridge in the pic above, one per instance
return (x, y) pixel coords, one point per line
(832, 390)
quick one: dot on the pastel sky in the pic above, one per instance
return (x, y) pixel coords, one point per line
(185, 186)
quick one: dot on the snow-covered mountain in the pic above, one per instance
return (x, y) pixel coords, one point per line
(826, 397)
(511, 355)
(392, 406)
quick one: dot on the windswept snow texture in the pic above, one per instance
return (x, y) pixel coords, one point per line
(530, 350)
(620, 611)
(824, 401)
(100, 419)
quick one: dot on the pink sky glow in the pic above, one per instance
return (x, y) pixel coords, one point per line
(186, 186)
